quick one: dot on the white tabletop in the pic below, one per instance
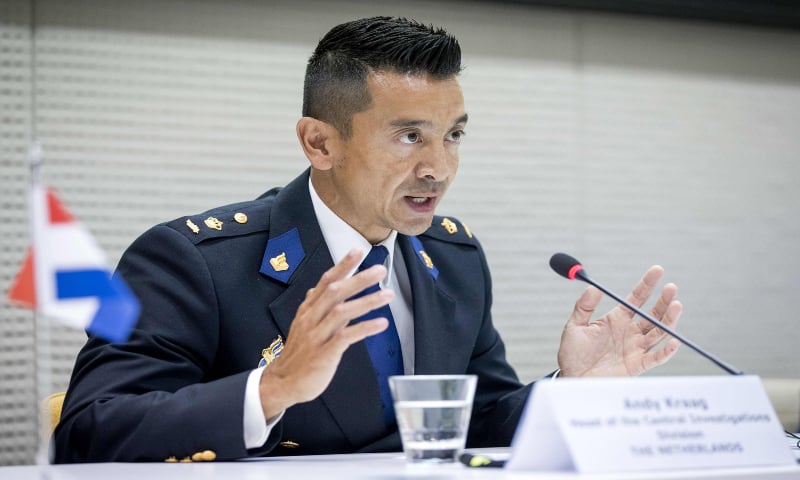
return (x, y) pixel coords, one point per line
(389, 466)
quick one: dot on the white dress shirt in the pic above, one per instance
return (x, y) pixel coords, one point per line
(341, 238)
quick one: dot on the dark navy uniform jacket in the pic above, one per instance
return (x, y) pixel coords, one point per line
(211, 302)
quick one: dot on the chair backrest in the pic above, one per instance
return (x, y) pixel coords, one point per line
(51, 411)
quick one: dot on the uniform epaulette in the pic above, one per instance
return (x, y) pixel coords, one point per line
(226, 221)
(450, 229)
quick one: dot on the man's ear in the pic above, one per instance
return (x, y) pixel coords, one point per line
(320, 142)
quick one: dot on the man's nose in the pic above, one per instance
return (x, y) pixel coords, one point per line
(437, 164)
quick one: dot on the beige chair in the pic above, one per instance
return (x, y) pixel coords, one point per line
(784, 393)
(51, 411)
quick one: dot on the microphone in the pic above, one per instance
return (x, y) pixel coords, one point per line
(568, 267)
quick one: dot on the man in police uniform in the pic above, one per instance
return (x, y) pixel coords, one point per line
(254, 337)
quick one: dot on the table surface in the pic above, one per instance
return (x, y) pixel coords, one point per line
(389, 466)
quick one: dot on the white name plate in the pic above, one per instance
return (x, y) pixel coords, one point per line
(648, 424)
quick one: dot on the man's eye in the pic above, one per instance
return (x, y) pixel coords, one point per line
(411, 137)
(456, 136)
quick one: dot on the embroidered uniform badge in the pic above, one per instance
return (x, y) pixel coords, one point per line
(214, 223)
(194, 228)
(423, 257)
(449, 226)
(282, 256)
(269, 354)
(466, 229)
(279, 263)
(426, 259)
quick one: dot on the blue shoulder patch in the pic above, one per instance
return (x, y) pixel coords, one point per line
(282, 256)
(423, 257)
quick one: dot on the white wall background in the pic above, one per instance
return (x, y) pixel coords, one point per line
(625, 141)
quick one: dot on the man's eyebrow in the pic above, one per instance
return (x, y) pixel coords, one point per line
(407, 122)
(403, 122)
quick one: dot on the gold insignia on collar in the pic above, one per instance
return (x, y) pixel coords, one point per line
(194, 228)
(214, 223)
(269, 354)
(466, 229)
(240, 218)
(289, 444)
(426, 258)
(279, 263)
(449, 226)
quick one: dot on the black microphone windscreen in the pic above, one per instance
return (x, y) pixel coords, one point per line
(564, 265)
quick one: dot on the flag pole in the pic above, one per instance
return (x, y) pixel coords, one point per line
(42, 362)
(42, 338)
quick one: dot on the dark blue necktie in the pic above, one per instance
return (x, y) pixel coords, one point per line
(384, 348)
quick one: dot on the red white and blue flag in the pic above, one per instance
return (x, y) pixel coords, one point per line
(66, 276)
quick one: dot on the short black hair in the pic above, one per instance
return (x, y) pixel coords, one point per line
(336, 76)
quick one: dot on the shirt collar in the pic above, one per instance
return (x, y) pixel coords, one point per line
(341, 237)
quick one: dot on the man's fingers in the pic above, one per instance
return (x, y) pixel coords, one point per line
(668, 294)
(653, 334)
(361, 330)
(343, 313)
(337, 273)
(329, 295)
(585, 306)
(660, 309)
(644, 288)
(661, 356)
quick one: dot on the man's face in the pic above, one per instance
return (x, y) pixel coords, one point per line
(400, 158)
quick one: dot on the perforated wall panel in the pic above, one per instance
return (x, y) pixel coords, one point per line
(17, 411)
